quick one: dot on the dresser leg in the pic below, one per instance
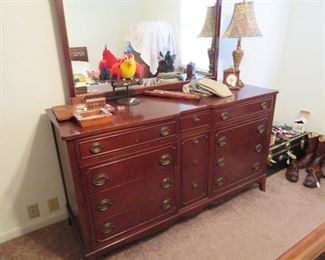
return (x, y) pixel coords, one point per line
(261, 184)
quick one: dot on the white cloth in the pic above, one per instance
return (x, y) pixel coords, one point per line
(150, 38)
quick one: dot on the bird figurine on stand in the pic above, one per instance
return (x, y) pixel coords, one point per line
(126, 68)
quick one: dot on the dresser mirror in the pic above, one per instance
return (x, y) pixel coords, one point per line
(88, 27)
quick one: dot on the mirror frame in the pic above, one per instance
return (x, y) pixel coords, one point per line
(68, 67)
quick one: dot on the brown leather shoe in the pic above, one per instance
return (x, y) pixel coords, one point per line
(312, 146)
(319, 154)
(292, 173)
(313, 179)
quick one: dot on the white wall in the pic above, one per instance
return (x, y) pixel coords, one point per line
(301, 79)
(33, 78)
(31, 81)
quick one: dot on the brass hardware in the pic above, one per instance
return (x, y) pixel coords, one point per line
(220, 182)
(195, 185)
(256, 166)
(287, 145)
(166, 204)
(260, 129)
(259, 148)
(100, 179)
(264, 105)
(107, 228)
(224, 115)
(222, 141)
(221, 162)
(166, 183)
(195, 141)
(195, 162)
(281, 157)
(196, 119)
(165, 160)
(302, 143)
(104, 205)
(164, 131)
(95, 148)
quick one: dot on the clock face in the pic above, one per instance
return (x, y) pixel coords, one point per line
(231, 79)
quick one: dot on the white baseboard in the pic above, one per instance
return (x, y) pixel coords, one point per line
(19, 231)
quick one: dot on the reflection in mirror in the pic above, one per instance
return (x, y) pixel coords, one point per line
(162, 36)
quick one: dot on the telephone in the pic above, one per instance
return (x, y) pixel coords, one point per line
(215, 87)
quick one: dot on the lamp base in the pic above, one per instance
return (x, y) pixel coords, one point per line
(237, 55)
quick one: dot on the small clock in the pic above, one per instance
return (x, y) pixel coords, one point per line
(231, 78)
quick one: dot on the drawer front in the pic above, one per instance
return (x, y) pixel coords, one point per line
(194, 121)
(155, 187)
(121, 140)
(239, 153)
(158, 162)
(227, 114)
(149, 210)
(194, 168)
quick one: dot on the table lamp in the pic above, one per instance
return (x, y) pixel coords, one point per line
(208, 30)
(242, 24)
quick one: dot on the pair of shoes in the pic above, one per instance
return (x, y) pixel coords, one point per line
(292, 173)
(316, 169)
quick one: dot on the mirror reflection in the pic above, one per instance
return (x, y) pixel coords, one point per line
(162, 36)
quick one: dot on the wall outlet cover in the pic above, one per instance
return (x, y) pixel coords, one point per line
(33, 211)
(53, 204)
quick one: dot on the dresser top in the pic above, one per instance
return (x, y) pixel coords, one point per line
(153, 109)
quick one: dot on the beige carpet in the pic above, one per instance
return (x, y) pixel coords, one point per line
(253, 225)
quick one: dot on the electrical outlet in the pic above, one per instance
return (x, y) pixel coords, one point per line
(53, 204)
(33, 211)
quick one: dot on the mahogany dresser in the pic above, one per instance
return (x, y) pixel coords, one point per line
(159, 161)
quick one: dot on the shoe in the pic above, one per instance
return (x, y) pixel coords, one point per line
(319, 154)
(313, 179)
(292, 173)
(313, 139)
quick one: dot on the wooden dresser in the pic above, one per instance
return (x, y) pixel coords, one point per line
(161, 160)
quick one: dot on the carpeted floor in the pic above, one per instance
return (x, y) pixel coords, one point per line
(253, 225)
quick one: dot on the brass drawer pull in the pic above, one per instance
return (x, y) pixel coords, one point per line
(195, 162)
(220, 182)
(259, 148)
(264, 105)
(96, 148)
(166, 204)
(260, 129)
(224, 115)
(104, 205)
(100, 179)
(165, 160)
(222, 141)
(195, 141)
(221, 162)
(164, 131)
(107, 228)
(195, 185)
(196, 119)
(166, 183)
(256, 166)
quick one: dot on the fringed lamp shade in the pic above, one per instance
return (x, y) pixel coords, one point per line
(209, 26)
(208, 30)
(243, 24)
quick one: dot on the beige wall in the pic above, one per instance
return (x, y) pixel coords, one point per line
(32, 79)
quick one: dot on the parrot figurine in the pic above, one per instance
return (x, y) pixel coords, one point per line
(126, 68)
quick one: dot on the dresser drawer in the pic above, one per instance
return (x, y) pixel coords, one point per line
(241, 134)
(155, 187)
(194, 168)
(149, 210)
(120, 140)
(161, 161)
(227, 114)
(193, 121)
